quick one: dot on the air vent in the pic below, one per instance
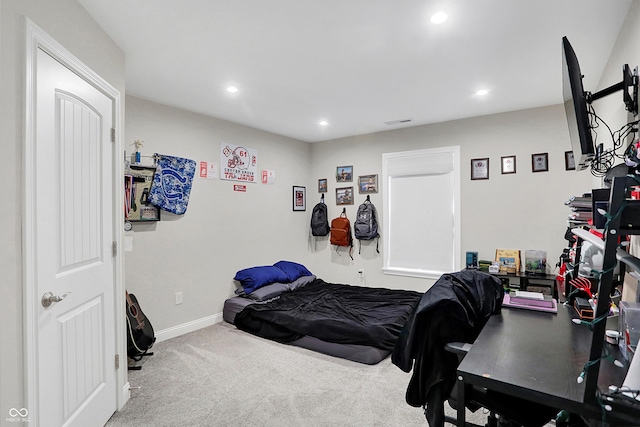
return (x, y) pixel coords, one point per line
(397, 122)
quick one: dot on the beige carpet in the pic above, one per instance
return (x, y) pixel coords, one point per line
(220, 376)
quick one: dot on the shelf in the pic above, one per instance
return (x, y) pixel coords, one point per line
(621, 255)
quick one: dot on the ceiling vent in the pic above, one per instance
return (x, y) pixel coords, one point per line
(397, 122)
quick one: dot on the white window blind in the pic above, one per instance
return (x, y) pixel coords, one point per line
(421, 202)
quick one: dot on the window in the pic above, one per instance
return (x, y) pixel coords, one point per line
(421, 205)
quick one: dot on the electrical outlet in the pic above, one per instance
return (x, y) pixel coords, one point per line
(178, 298)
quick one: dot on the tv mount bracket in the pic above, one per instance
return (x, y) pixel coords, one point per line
(628, 86)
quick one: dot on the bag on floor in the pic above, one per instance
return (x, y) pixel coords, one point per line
(366, 225)
(341, 232)
(140, 335)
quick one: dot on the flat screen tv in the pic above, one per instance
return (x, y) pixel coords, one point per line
(575, 105)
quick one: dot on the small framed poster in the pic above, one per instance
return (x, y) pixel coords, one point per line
(508, 164)
(344, 173)
(480, 168)
(368, 184)
(540, 162)
(322, 185)
(569, 161)
(344, 196)
(299, 198)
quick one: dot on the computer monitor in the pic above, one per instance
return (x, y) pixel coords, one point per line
(575, 105)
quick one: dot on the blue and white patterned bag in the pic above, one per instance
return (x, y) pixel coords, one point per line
(172, 184)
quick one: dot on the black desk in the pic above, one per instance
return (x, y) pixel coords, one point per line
(535, 356)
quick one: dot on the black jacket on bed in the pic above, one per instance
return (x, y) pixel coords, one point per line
(455, 308)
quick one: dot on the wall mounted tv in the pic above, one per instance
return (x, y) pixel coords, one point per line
(576, 101)
(575, 105)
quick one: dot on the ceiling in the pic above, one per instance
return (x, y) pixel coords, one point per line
(355, 63)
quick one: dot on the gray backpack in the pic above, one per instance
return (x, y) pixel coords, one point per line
(366, 225)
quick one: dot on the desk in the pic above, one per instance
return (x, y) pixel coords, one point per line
(537, 357)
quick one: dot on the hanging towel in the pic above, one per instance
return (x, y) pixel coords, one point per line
(172, 183)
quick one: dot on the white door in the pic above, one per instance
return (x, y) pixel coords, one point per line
(73, 236)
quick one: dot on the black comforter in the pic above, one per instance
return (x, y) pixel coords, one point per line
(334, 313)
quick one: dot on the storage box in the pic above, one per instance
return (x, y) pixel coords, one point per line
(535, 262)
(583, 308)
(629, 328)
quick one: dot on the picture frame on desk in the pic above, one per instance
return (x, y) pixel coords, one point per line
(509, 260)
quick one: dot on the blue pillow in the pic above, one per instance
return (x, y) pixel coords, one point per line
(255, 277)
(293, 270)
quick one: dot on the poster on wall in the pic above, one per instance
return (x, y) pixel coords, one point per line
(238, 163)
(208, 170)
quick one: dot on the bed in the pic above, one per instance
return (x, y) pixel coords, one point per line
(356, 323)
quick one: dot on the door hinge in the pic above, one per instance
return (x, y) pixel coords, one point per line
(114, 248)
(117, 361)
(113, 134)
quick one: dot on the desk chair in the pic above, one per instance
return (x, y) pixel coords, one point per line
(455, 308)
(504, 410)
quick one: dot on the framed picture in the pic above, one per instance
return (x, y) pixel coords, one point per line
(540, 162)
(368, 184)
(299, 198)
(344, 173)
(138, 185)
(344, 196)
(569, 161)
(322, 185)
(509, 260)
(480, 168)
(508, 164)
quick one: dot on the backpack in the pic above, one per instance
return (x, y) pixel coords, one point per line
(366, 225)
(319, 221)
(341, 232)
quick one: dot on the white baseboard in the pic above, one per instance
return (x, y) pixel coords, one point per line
(176, 331)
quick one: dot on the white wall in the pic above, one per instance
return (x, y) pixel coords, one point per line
(222, 231)
(516, 211)
(68, 23)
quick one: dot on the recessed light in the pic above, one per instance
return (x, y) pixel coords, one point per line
(232, 89)
(324, 123)
(438, 18)
(482, 92)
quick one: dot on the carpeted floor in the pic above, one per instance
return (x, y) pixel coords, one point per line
(220, 376)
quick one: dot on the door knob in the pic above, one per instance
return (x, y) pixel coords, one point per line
(49, 298)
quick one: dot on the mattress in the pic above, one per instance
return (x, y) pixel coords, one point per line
(357, 353)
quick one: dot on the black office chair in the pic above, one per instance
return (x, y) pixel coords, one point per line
(455, 308)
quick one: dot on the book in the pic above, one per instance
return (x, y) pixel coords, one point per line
(545, 304)
(529, 295)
